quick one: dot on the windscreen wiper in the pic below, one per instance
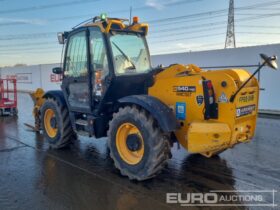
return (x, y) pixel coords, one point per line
(126, 57)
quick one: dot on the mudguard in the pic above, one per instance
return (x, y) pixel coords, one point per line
(161, 112)
(57, 95)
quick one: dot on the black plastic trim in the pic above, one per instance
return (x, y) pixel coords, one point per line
(161, 112)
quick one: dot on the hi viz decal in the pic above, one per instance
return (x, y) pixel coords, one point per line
(184, 90)
(180, 110)
(245, 110)
(199, 100)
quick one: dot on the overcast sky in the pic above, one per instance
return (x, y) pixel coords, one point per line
(28, 28)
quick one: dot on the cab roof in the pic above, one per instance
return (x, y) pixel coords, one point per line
(108, 24)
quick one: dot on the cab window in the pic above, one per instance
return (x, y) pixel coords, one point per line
(76, 57)
(130, 53)
(99, 58)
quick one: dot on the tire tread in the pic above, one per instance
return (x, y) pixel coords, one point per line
(159, 153)
(67, 132)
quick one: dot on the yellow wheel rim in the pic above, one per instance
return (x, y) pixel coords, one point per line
(49, 115)
(129, 156)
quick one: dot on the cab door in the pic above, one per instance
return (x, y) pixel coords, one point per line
(76, 82)
(99, 64)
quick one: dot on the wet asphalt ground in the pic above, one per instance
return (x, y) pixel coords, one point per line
(32, 176)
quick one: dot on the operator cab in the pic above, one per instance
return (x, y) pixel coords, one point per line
(102, 57)
(104, 60)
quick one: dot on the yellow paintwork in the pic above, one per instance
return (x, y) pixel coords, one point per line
(195, 133)
(130, 157)
(139, 26)
(49, 114)
(204, 135)
(38, 100)
(111, 21)
(163, 90)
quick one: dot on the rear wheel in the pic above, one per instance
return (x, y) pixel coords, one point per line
(56, 124)
(219, 152)
(212, 154)
(137, 145)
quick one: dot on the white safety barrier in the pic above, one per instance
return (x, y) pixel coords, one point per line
(29, 78)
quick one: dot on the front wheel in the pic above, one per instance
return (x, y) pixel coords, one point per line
(137, 145)
(56, 124)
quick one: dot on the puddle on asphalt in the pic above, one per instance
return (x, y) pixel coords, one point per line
(83, 176)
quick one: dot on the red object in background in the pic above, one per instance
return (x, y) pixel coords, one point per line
(8, 97)
(56, 77)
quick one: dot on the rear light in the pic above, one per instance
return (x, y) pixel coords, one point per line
(211, 107)
(209, 84)
(98, 83)
(211, 99)
(210, 92)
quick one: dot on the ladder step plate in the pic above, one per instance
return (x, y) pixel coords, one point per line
(83, 133)
(81, 122)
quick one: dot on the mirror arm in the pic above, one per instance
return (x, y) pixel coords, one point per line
(245, 83)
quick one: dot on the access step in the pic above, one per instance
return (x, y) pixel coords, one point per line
(81, 122)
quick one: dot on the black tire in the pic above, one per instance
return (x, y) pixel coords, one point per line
(213, 155)
(38, 124)
(65, 133)
(216, 154)
(156, 144)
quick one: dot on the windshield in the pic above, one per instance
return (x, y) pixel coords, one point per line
(130, 54)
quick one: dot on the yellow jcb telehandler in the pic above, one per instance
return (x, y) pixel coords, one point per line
(109, 89)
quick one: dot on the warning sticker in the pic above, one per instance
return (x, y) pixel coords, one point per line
(223, 98)
(180, 110)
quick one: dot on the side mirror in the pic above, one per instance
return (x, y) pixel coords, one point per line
(57, 70)
(270, 61)
(60, 37)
